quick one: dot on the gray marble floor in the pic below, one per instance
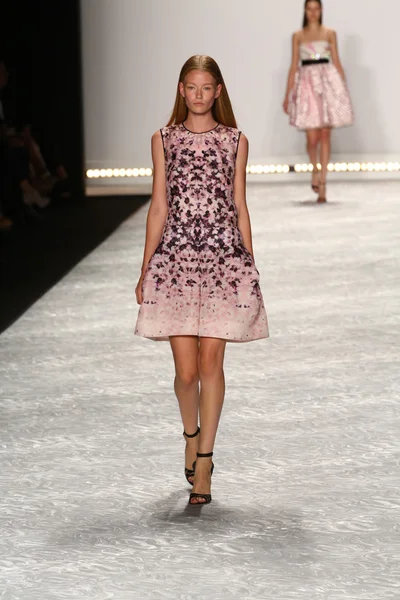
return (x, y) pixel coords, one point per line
(306, 499)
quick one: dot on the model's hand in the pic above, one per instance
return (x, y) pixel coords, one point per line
(138, 290)
(286, 105)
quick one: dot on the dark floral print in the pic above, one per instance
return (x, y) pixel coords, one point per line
(201, 279)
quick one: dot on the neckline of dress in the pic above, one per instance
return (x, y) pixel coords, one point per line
(199, 132)
(315, 42)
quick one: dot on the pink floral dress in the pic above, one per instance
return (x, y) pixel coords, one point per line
(201, 280)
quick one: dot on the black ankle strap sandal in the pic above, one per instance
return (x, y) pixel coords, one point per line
(192, 435)
(189, 473)
(206, 498)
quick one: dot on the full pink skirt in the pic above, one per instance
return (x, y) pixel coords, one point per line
(320, 98)
(198, 295)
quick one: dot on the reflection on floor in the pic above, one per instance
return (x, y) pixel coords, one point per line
(305, 495)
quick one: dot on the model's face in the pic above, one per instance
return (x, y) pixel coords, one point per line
(200, 91)
(313, 12)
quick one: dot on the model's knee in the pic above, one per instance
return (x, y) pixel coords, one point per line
(210, 364)
(188, 377)
(312, 145)
(325, 136)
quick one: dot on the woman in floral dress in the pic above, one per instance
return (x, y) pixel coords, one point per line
(199, 286)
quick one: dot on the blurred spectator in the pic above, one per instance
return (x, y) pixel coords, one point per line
(49, 178)
(5, 223)
(14, 158)
(22, 163)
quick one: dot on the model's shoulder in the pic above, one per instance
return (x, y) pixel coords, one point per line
(330, 33)
(169, 133)
(156, 140)
(170, 128)
(156, 135)
(233, 131)
(298, 35)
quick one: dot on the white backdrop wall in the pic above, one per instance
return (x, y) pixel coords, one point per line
(133, 51)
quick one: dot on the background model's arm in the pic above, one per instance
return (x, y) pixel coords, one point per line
(292, 70)
(335, 53)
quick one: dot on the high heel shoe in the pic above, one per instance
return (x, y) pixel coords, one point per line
(206, 498)
(322, 198)
(190, 472)
(315, 186)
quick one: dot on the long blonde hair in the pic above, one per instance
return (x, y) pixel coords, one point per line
(222, 108)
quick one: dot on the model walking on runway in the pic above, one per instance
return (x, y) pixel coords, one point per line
(316, 97)
(199, 286)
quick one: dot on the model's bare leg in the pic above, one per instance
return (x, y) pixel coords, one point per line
(212, 392)
(313, 141)
(325, 157)
(185, 350)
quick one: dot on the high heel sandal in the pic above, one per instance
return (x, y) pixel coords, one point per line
(205, 497)
(315, 186)
(322, 199)
(190, 472)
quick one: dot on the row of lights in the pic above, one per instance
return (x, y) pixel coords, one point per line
(371, 167)
(260, 169)
(352, 167)
(107, 173)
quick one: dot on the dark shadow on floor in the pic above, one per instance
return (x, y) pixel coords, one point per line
(314, 203)
(35, 256)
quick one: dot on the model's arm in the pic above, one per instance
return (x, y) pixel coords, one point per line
(239, 193)
(335, 53)
(158, 209)
(292, 70)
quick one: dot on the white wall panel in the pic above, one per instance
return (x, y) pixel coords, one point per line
(133, 51)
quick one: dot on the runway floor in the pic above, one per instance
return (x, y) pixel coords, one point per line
(306, 499)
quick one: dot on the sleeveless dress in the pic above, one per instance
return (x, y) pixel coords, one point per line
(319, 97)
(201, 280)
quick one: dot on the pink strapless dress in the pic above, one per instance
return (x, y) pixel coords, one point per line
(320, 97)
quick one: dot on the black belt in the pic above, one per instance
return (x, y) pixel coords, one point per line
(316, 61)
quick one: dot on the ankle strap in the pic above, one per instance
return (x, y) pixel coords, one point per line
(208, 455)
(192, 435)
